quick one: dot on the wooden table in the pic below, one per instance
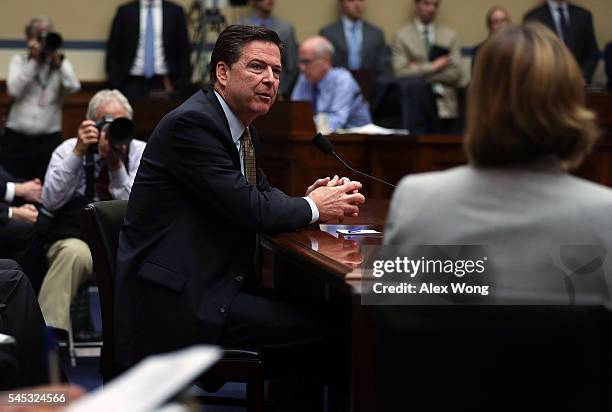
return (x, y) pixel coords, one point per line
(323, 263)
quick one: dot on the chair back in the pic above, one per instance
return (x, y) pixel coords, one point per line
(102, 222)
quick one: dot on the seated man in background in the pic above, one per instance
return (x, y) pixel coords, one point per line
(426, 51)
(36, 81)
(72, 182)
(262, 16)
(336, 98)
(358, 45)
(498, 18)
(574, 26)
(148, 49)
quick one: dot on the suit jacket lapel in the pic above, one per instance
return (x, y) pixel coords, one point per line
(417, 43)
(338, 32)
(134, 33)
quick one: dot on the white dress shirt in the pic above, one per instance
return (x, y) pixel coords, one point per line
(236, 130)
(65, 175)
(554, 10)
(37, 91)
(431, 31)
(158, 44)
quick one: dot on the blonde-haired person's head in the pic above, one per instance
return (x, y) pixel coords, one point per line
(527, 101)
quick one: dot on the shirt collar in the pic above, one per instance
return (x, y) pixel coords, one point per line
(421, 27)
(347, 24)
(236, 126)
(554, 6)
(154, 3)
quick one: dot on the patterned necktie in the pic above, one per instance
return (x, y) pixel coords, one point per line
(354, 48)
(149, 51)
(426, 42)
(563, 25)
(102, 183)
(315, 97)
(248, 156)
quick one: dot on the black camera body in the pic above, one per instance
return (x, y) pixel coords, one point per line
(50, 42)
(119, 131)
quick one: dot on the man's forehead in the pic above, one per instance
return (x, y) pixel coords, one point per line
(260, 49)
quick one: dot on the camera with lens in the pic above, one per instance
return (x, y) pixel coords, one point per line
(119, 131)
(50, 42)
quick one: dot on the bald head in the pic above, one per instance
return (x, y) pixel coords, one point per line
(315, 56)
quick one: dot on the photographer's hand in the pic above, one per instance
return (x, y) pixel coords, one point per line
(87, 135)
(57, 57)
(35, 49)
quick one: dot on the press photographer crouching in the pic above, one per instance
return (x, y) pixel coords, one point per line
(99, 164)
(37, 81)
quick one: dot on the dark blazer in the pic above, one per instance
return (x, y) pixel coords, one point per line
(375, 54)
(123, 43)
(582, 41)
(188, 241)
(5, 177)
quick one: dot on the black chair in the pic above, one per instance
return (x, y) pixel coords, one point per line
(102, 221)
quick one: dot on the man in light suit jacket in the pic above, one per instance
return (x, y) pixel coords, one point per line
(357, 43)
(138, 60)
(262, 16)
(573, 25)
(411, 55)
(187, 246)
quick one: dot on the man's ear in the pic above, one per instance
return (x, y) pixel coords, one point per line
(222, 71)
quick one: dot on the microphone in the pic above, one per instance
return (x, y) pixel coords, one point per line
(324, 145)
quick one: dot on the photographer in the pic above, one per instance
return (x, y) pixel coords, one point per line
(36, 82)
(67, 189)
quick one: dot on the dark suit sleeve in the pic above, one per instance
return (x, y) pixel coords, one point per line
(198, 157)
(113, 51)
(290, 69)
(591, 50)
(4, 219)
(384, 56)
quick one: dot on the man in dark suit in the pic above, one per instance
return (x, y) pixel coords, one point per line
(574, 26)
(17, 223)
(357, 43)
(141, 57)
(187, 246)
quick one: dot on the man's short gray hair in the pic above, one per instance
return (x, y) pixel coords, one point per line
(324, 48)
(29, 28)
(104, 96)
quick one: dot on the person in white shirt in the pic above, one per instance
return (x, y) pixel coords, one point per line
(148, 49)
(37, 82)
(66, 191)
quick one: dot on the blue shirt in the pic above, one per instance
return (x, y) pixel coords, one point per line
(339, 97)
(353, 33)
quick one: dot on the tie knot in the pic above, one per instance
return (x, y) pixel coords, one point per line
(246, 135)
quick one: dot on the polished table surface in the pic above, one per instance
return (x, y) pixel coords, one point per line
(339, 257)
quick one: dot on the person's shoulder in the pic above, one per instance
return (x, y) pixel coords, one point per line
(281, 25)
(445, 31)
(331, 28)
(172, 5)
(588, 191)
(123, 8)
(373, 28)
(406, 30)
(66, 146)
(437, 178)
(536, 12)
(579, 11)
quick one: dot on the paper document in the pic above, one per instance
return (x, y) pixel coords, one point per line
(371, 128)
(354, 232)
(151, 383)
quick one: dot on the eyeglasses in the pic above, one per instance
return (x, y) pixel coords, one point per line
(306, 62)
